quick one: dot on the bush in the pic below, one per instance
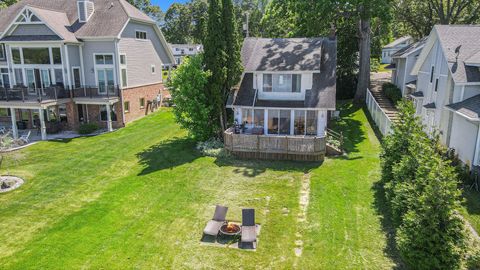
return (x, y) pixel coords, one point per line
(374, 65)
(212, 148)
(392, 92)
(89, 128)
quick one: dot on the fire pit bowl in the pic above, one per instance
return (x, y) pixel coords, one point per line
(231, 229)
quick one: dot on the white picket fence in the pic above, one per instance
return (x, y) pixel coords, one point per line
(382, 120)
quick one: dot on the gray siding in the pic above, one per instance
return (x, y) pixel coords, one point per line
(89, 49)
(464, 138)
(32, 29)
(74, 55)
(142, 54)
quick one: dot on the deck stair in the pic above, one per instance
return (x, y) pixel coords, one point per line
(387, 106)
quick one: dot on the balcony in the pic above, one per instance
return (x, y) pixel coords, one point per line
(301, 148)
(23, 94)
(96, 92)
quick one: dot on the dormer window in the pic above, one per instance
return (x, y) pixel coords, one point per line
(27, 16)
(283, 83)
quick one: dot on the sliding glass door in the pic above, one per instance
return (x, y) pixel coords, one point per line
(105, 81)
(38, 80)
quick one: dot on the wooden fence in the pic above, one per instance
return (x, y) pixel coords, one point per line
(275, 147)
(382, 120)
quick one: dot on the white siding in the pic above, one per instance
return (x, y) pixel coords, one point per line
(464, 138)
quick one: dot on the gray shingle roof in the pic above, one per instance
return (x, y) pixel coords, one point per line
(430, 106)
(107, 21)
(469, 108)
(31, 38)
(397, 42)
(293, 54)
(465, 38)
(322, 94)
(474, 60)
(404, 52)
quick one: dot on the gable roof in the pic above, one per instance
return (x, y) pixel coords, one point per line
(282, 54)
(406, 51)
(321, 96)
(469, 108)
(107, 21)
(397, 42)
(452, 38)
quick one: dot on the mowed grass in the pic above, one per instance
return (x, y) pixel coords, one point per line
(471, 208)
(138, 198)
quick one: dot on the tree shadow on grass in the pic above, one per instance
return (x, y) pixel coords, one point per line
(382, 208)
(167, 155)
(471, 201)
(254, 168)
(349, 127)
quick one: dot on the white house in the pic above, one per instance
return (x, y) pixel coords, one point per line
(288, 88)
(394, 47)
(181, 51)
(448, 88)
(402, 65)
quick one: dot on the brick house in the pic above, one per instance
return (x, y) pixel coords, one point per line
(67, 62)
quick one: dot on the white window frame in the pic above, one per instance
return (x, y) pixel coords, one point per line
(140, 103)
(141, 31)
(3, 55)
(123, 67)
(104, 67)
(153, 69)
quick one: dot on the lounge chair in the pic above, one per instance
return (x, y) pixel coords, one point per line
(249, 229)
(219, 218)
(26, 137)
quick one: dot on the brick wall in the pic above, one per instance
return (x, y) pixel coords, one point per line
(133, 95)
(94, 115)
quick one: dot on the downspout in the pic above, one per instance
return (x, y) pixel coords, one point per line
(120, 87)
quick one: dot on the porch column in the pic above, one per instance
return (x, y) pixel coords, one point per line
(43, 128)
(14, 123)
(109, 118)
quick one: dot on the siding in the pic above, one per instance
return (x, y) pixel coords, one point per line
(91, 47)
(464, 138)
(32, 29)
(142, 54)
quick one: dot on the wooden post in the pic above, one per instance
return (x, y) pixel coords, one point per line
(109, 118)
(43, 128)
(14, 123)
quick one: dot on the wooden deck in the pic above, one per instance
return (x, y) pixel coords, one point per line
(299, 148)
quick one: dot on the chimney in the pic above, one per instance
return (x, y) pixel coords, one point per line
(85, 10)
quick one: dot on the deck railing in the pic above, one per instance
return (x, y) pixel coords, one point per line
(276, 147)
(95, 92)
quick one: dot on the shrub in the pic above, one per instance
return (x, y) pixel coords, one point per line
(374, 65)
(212, 148)
(88, 128)
(392, 92)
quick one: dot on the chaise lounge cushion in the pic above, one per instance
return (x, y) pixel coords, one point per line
(213, 227)
(249, 234)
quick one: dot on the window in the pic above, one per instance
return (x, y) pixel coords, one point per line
(103, 113)
(247, 116)
(285, 122)
(285, 83)
(123, 59)
(153, 69)
(39, 56)
(16, 56)
(190, 49)
(27, 17)
(142, 103)
(311, 123)
(431, 75)
(4, 78)
(59, 77)
(104, 59)
(124, 77)
(267, 82)
(18, 76)
(77, 82)
(4, 112)
(140, 35)
(299, 124)
(273, 121)
(436, 85)
(2, 51)
(57, 56)
(105, 81)
(258, 118)
(279, 122)
(126, 106)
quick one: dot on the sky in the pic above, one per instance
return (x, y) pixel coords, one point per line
(165, 4)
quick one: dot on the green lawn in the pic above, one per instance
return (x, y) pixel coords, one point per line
(472, 208)
(139, 198)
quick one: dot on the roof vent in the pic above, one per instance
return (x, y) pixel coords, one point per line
(85, 10)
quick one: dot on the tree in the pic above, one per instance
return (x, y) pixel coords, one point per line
(279, 19)
(419, 17)
(177, 24)
(198, 11)
(193, 109)
(146, 6)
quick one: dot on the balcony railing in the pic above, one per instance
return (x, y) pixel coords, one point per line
(53, 93)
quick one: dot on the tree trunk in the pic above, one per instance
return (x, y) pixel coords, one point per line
(364, 70)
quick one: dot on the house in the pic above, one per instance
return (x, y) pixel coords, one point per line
(181, 51)
(448, 88)
(402, 65)
(68, 62)
(283, 101)
(394, 47)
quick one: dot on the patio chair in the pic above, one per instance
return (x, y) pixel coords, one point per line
(249, 229)
(219, 218)
(26, 137)
(3, 130)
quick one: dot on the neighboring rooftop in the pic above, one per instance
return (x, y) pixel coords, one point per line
(469, 108)
(292, 54)
(397, 42)
(463, 39)
(406, 51)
